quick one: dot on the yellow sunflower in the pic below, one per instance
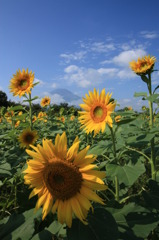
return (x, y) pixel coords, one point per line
(34, 118)
(17, 124)
(72, 117)
(117, 118)
(64, 180)
(20, 113)
(27, 137)
(45, 101)
(8, 116)
(21, 83)
(97, 111)
(143, 65)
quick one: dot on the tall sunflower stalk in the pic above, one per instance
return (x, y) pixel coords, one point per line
(116, 181)
(96, 115)
(153, 160)
(21, 85)
(144, 68)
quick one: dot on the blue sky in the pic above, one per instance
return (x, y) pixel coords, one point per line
(78, 45)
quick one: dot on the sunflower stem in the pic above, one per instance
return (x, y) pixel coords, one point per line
(116, 189)
(113, 141)
(114, 153)
(153, 164)
(30, 112)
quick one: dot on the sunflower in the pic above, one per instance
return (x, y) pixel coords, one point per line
(20, 113)
(143, 65)
(21, 83)
(117, 118)
(64, 180)
(72, 117)
(98, 109)
(34, 118)
(45, 101)
(17, 124)
(8, 116)
(27, 137)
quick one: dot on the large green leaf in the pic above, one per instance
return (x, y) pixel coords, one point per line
(57, 228)
(134, 222)
(140, 94)
(45, 234)
(100, 148)
(126, 174)
(18, 226)
(5, 169)
(101, 226)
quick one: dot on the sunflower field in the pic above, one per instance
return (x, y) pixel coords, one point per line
(94, 176)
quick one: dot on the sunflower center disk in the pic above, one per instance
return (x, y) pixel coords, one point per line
(23, 84)
(62, 179)
(98, 113)
(29, 138)
(144, 64)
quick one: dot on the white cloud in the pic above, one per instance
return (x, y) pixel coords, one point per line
(108, 71)
(71, 69)
(54, 85)
(102, 47)
(73, 56)
(1, 89)
(41, 83)
(125, 57)
(149, 35)
(125, 74)
(106, 62)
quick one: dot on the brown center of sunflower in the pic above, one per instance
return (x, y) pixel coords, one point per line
(23, 83)
(143, 64)
(62, 179)
(29, 138)
(98, 113)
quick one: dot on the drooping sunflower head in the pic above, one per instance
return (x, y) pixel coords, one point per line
(21, 83)
(143, 65)
(64, 179)
(45, 101)
(27, 137)
(97, 111)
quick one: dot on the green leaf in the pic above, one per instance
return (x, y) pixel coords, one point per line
(5, 169)
(57, 228)
(100, 148)
(34, 98)
(125, 121)
(16, 108)
(153, 97)
(36, 84)
(140, 94)
(18, 226)
(144, 78)
(134, 221)
(45, 234)
(101, 226)
(127, 174)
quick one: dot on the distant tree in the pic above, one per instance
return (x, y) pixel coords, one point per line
(3, 99)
